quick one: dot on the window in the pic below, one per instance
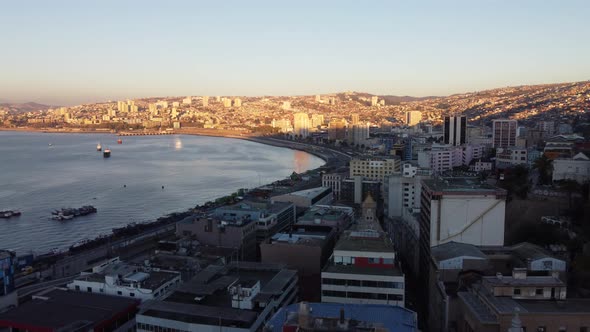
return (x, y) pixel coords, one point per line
(356, 283)
(539, 291)
(374, 260)
(542, 329)
(132, 294)
(77, 287)
(517, 291)
(101, 290)
(119, 293)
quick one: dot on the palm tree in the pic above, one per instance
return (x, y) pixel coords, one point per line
(545, 167)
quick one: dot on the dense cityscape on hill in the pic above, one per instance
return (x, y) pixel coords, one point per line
(294, 166)
(440, 213)
(526, 104)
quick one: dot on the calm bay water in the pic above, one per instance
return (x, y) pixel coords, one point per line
(37, 178)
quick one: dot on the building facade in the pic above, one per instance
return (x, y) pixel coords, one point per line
(413, 118)
(374, 169)
(403, 190)
(504, 133)
(455, 130)
(576, 168)
(116, 278)
(301, 124)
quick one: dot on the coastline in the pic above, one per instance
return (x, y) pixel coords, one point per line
(330, 157)
(319, 152)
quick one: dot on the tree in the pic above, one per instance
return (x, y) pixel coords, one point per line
(545, 167)
(570, 187)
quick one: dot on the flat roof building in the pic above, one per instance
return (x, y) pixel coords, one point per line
(62, 310)
(117, 278)
(270, 218)
(336, 216)
(306, 198)
(238, 233)
(235, 297)
(343, 317)
(363, 267)
(305, 248)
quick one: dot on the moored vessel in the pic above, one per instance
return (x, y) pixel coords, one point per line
(106, 153)
(9, 214)
(68, 214)
(119, 141)
(98, 147)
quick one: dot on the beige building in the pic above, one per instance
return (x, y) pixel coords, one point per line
(301, 124)
(413, 118)
(374, 169)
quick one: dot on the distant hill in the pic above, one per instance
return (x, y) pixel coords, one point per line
(393, 100)
(25, 107)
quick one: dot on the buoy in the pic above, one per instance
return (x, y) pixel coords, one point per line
(162, 187)
(124, 186)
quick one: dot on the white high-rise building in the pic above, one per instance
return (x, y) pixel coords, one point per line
(205, 101)
(301, 124)
(403, 190)
(463, 210)
(187, 100)
(374, 101)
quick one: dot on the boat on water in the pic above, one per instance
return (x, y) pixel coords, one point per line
(106, 153)
(9, 214)
(119, 141)
(68, 214)
(98, 147)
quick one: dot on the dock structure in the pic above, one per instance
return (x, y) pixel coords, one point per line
(145, 133)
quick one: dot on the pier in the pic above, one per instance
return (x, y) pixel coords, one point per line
(145, 133)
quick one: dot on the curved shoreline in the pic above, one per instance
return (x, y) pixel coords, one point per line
(327, 155)
(319, 152)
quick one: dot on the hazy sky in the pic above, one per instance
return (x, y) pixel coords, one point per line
(68, 52)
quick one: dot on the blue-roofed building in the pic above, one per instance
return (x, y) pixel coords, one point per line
(342, 317)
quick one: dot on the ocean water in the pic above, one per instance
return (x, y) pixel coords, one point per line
(41, 172)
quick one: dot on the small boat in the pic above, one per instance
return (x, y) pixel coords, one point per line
(119, 141)
(106, 153)
(50, 144)
(98, 147)
(9, 214)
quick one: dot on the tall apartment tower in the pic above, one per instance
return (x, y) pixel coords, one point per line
(355, 119)
(337, 129)
(374, 100)
(205, 101)
(455, 128)
(413, 118)
(504, 133)
(301, 124)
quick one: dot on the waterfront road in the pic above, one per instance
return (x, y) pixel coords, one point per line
(38, 287)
